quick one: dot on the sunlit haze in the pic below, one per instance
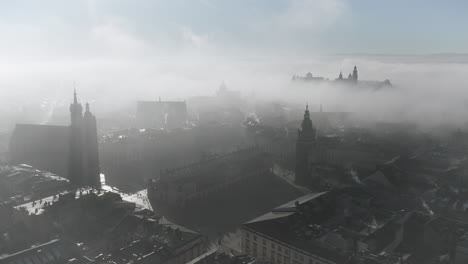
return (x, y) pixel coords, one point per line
(234, 132)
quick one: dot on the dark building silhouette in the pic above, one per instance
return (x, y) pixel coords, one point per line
(161, 114)
(355, 74)
(351, 79)
(83, 164)
(44, 147)
(69, 151)
(200, 181)
(75, 162)
(227, 97)
(307, 78)
(304, 146)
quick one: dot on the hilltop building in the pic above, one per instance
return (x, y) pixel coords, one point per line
(351, 79)
(225, 106)
(308, 77)
(228, 97)
(70, 151)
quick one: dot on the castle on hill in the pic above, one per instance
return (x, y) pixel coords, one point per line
(352, 79)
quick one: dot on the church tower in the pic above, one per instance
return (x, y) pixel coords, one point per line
(304, 145)
(355, 74)
(76, 143)
(83, 164)
(91, 169)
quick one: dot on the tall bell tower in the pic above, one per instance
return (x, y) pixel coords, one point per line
(91, 169)
(355, 74)
(83, 162)
(75, 161)
(304, 145)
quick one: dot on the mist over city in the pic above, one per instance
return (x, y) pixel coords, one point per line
(234, 132)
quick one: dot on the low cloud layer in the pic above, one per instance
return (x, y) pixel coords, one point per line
(117, 54)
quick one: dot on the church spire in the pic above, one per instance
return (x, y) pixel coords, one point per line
(75, 109)
(223, 86)
(75, 99)
(306, 112)
(307, 123)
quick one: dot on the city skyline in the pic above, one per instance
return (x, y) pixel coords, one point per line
(233, 132)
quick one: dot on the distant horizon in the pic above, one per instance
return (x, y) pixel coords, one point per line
(120, 51)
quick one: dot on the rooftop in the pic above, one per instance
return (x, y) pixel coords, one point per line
(325, 223)
(20, 183)
(54, 251)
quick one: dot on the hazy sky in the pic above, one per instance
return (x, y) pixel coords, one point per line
(37, 29)
(119, 51)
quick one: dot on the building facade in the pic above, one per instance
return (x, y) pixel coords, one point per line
(325, 227)
(275, 251)
(198, 181)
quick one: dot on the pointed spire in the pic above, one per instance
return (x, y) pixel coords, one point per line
(75, 107)
(87, 107)
(75, 99)
(307, 123)
(222, 87)
(306, 112)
